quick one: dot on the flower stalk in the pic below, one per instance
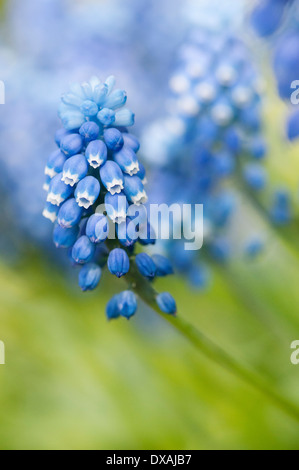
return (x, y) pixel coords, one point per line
(208, 348)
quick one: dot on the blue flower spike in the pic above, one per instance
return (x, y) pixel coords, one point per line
(93, 180)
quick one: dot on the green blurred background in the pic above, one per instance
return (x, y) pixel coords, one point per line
(74, 381)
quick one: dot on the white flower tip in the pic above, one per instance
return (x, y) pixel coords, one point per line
(118, 217)
(55, 199)
(133, 169)
(50, 172)
(70, 179)
(115, 187)
(49, 215)
(95, 161)
(140, 198)
(84, 200)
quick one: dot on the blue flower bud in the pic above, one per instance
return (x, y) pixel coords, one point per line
(255, 176)
(126, 158)
(166, 303)
(251, 118)
(110, 83)
(224, 163)
(50, 212)
(220, 250)
(147, 235)
(106, 117)
(258, 148)
(112, 310)
(89, 108)
(123, 304)
(55, 164)
(199, 276)
(131, 141)
(114, 139)
(89, 131)
(72, 119)
(71, 144)
(267, 17)
(127, 304)
(87, 191)
(60, 134)
(254, 247)
(116, 99)
(142, 174)
(74, 170)
(96, 153)
(112, 177)
(281, 211)
(163, 265)
(83, 250)
(117, 207)
(65, 237)
(293, 126)
(127, 233)
(89, 276)
(46, 185)
(97, 228)
(134, 190)
(58, 191)
(233, 140)
(69, 214)
(146, 265)
(223, 112)
(118, 262)
(124, 118)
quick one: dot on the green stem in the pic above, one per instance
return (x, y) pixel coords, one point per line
(218, 355)
(203, 344)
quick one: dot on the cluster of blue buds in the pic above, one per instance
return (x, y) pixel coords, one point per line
(212, 134)
(95, 186)
(278, 22)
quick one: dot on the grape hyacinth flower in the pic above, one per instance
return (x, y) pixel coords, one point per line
(95, 181)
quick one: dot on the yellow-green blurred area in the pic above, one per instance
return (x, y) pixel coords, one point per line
(72, 380)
